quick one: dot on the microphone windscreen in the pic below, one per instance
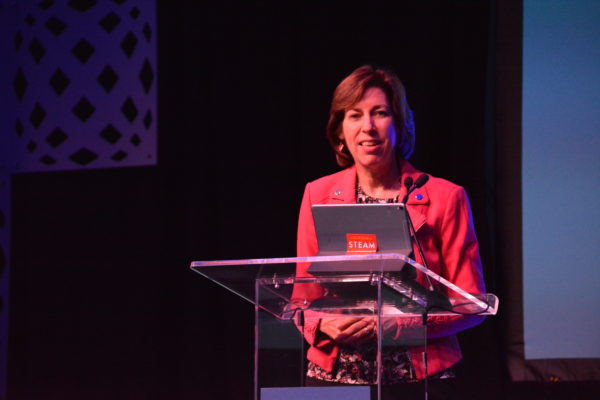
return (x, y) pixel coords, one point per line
(421, 180)
(408, 181)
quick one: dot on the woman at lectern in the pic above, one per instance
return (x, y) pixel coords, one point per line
(372, 133)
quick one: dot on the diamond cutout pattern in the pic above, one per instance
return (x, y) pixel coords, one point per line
(135, 140)
(47, 160)
(148, 119)
(20, 84)
(84, 109)
(129, 44)
(55, 26)
(29, 20)
(146, 76)
(59, 81)
(134, 13)
(129, 110)
(110, 22)
(36, 50)
(147, 32)
(31, 146)
(118, 156)
(110, 134)
(83, 50)
(37, 116)
(81, 5)
(41, 139)
(107, 78)
(56, 138)
(83, 156)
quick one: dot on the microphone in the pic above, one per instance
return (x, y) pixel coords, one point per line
(421, 180)
(408, 181)
(410, 187)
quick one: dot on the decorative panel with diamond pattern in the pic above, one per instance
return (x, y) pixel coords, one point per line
(84, 84)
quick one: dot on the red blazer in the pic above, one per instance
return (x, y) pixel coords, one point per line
(441, 214)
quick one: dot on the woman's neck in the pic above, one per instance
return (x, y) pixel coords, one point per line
(380, 183)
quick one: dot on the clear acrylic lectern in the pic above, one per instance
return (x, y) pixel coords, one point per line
(288, 306)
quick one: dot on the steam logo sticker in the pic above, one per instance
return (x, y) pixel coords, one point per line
(358, 243)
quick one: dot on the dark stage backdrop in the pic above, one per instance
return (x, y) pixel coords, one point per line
(103, 304)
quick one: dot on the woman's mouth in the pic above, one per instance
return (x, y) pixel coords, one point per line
(370, 146)
(369, 143)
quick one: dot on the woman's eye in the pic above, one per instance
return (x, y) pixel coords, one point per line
(353, 116)
(382, 113)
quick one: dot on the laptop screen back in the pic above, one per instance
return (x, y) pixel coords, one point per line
(386, 221)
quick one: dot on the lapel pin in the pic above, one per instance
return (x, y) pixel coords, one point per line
(419, 196)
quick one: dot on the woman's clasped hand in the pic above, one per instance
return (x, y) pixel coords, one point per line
(349, 330)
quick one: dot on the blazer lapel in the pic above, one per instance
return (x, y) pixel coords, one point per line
(417, 198)
(344, 191)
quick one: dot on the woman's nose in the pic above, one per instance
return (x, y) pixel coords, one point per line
(368, 124)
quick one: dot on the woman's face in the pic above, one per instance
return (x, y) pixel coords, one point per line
(368, 131)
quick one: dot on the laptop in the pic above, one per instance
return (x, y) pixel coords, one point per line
(387, 222)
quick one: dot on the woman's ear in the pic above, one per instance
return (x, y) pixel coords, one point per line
(341, 145)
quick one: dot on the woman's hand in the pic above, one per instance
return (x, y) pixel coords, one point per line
(349, 330)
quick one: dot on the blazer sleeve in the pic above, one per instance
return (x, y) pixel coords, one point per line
(307, 247)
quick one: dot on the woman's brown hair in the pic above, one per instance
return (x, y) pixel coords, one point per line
(351, 90)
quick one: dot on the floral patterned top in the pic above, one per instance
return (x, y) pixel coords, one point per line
(356, 365)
